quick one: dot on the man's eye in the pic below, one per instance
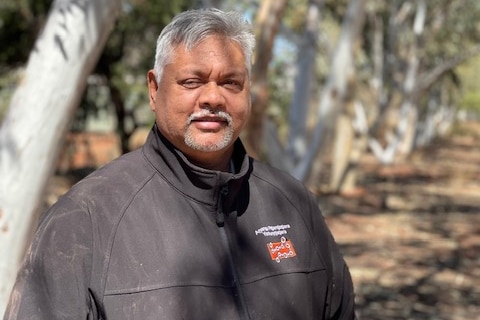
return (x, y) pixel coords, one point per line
(191, 83)
(232, 85)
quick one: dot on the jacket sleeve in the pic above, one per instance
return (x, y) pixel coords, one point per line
(340, 297)
(53, 280)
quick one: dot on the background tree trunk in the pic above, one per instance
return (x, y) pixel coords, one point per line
(266, 25)
(409, 106)
(335, 90)
(304, 81)
(38, 117)
(342, 146)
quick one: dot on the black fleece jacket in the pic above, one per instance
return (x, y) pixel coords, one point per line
(152, 236)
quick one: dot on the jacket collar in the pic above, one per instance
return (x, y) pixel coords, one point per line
(201, 184)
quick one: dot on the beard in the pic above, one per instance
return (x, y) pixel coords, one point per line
(196, 143)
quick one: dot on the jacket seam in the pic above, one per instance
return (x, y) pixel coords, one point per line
(116, 292)
(279, 274)
(113, 233)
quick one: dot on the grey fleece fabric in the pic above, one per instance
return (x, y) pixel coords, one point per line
(152, 236)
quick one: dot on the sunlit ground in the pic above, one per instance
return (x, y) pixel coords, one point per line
(412, 240)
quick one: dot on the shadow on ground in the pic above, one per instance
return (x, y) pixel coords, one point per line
(412, 237)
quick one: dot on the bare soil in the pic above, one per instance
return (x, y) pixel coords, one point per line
(411, 237)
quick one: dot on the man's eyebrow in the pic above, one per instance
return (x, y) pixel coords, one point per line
(238, 73)
(190, 70)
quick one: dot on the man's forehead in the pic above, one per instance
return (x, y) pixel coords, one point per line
(208, 53)
(209, 41)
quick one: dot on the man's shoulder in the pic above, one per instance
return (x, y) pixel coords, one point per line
(128, 167)
(266, 171)
(104, 195)
(113, 182)
(277, 177)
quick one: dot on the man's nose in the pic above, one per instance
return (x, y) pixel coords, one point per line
(212, 96)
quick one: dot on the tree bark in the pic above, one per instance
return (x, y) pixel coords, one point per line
(38, 118)
(343, 144)
(335, 90)
(306, 56)
(266, 25)
(408, 109)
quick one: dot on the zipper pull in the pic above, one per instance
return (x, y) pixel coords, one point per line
(220, 217)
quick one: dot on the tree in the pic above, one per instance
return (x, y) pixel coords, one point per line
(417, 60)
(336, 89)
(412, 75)
(300, 150)
(266, 26)
(297, 143)
(38, 117)
(20, 22)
(128, 54)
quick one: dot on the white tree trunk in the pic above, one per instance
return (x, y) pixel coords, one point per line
(402, 141)
(296, 144)
(409, 107)
(38, 117)
(335, 89)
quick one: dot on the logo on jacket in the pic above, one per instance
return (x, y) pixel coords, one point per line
(269, 231)
(281, 250)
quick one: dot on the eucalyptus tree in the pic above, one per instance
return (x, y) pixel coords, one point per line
(38, 117)
(410, 96)
(424, 42)
(296, 145)
(266, 24)
(336, 89)
(302, 146)
(121, 68)
(20, 22)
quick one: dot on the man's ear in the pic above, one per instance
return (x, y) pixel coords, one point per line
(152, 88)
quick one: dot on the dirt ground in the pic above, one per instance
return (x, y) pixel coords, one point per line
(412, 237)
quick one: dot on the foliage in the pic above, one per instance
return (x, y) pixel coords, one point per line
(8, 83)
(20, 23)
(120, 86)
(471, 102)
(452, 27)
(118, 83)
(470, 80)
(283, 71)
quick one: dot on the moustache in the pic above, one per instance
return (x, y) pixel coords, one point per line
(210, 113)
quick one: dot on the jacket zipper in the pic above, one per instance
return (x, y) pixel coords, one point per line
(220, 219)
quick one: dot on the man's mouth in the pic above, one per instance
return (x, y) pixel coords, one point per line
(206, 120)
(209, 123)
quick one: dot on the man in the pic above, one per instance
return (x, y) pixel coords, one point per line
(188, 226)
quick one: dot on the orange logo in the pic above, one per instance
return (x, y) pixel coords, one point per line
(281, 250)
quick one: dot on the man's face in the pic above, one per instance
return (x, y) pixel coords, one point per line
(203, 99)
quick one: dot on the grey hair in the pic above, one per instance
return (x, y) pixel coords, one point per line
(189, 28)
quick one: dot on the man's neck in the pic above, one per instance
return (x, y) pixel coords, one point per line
(220, 163)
